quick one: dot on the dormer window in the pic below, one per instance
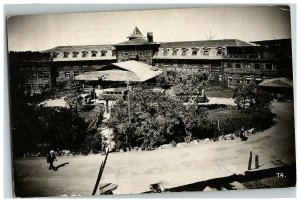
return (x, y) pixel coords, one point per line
(166, 51)
(174, 51)
(103, 53)
(184, 52)
(54, 54)
(94, 53)
(66, 54)
(205, 51)
(75, 54)
(195, 51)
(220, 50)
(84, 54)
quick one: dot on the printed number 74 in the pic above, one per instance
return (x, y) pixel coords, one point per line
(280, 175)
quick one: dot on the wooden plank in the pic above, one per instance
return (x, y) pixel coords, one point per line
(106, 188)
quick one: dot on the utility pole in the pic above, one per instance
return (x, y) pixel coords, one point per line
(128, 102)
(129, 114)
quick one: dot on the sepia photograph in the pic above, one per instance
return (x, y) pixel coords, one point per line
(151, 101)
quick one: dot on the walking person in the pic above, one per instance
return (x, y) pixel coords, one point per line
(243, 134)
(50, 158)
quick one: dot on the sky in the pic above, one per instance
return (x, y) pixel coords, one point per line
(248, 23)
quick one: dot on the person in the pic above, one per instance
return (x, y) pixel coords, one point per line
(243, 134)
(50, 158)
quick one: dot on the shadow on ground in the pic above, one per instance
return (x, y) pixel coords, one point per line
(61, 165)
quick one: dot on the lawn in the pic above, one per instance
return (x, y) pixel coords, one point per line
(219, 91)
(214, 115)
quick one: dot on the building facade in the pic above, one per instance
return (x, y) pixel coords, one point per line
(137, 48)
(31, 72)
(228, 61)
(70, 61)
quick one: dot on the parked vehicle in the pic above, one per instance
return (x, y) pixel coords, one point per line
(113, 94)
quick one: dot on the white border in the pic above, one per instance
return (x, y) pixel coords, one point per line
(134, 5)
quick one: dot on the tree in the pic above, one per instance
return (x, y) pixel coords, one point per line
(156, 119)
(255, 102)
(190, 83)
(250, 97)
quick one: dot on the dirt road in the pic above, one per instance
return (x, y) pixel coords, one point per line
(134, 171)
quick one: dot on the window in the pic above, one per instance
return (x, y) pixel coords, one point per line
(248, 80)
(174, 52)
(113, 53)
(34, 76)
(184, 52)
(247, 66)
(75, 54)
(194, 51)
(34, 86)
(84, 54)
(205, 51)
(220, 78)
(67, 74)
(46, 75)
(166, 51)
(269, 66)
(40, 75)
(76, 73)
(220, 50)
(237, 65)
(143, 53)
(257, 66)
(229, 65)
(66, 54)
(94, 53)
(41, 86)
(54, 54)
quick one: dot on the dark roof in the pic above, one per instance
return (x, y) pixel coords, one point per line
(81, 48)
(274, 41)
(136, 41)
(207, 43)
(136, 34)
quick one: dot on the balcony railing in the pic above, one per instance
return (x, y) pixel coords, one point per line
(250, 71)
(250, 56)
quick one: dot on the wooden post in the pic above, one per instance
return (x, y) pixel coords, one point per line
(256, 161)
(100, 173)
(250, 161)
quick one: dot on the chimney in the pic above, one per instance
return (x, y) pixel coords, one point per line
(150, 36)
